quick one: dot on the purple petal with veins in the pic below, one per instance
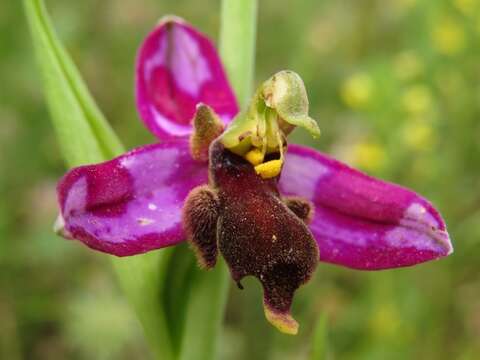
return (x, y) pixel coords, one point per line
(362, 222)
(131, 204)
(177, 68)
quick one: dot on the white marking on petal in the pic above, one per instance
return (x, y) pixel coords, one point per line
(418, 228)
(152, 207)
(145, 221)
(347, 235)
(77, 197)
(188, 64)
(127, 161)
(170, 126)
(300, 175)
(186, 61)
(59, 228)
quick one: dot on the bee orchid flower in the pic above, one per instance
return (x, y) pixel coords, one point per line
(230, 184)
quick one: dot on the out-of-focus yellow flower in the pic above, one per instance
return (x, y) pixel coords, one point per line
(369, 156)
(467, 7)
(407, 65)
(448, 37)
(417, 99)
(418, 136)
(385, 320)
(357, 90)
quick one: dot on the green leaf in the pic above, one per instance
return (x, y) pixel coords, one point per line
(86, 137)
(83, 132)
(319, 341)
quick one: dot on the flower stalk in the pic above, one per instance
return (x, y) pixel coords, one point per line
(237, 36)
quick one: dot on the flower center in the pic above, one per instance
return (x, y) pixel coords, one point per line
(241, 212)
(278, 106)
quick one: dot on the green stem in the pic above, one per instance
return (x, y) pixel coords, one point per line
(319, 341)
(237, 44)
(204, 313)
(141, 278)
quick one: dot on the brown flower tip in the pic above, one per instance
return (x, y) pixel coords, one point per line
(284, 322)
(207, 127)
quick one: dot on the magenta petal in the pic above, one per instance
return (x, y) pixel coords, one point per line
(362, 222)
(131, 204)
(177, 68)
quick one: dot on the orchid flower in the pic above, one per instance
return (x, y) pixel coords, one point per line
(228, 182)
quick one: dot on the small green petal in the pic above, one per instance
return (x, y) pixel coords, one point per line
(280, 104)
(285, 93)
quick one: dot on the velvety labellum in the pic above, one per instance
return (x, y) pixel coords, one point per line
(256, 232)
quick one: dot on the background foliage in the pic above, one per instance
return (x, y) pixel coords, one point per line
(395, 86)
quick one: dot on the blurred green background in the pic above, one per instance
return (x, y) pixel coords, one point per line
(395, 86)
